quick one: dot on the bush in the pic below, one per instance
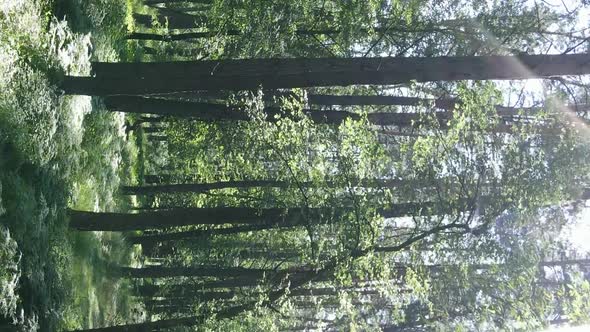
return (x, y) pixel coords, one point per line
(9, 274)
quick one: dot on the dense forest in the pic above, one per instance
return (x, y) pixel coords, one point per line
(301, 165)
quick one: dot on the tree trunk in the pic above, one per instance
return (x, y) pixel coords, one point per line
(169, 310)
(220, 112)
(300, 31)
(192, 9)
(566, 262)
(200, 295)
(406, 69)
(150, 119)
(152, 130)
(174, 20)
(187, 290)
(349, 100)
(110, 221)
(277, 217)
(171, 323)
(157, 138)
(202, 187)
(326, 291)
(270, 255)
(173, 52)
(148, 326)
(441, 103)
(155, 2)
(222, 97)
(301, 73)
(196, 271)
(177, 37)
(150, 239)
(210, 34)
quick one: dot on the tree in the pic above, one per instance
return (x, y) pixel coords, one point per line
(170, 19)
(293, 73)
(278, 217)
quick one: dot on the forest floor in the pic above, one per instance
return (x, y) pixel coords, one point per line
(59, 152)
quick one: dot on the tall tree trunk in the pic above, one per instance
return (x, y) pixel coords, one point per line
(300, 31)
(441, 103)
(110, 221)
(279, 217)
(202, 187)
(300, 73)
(188, 289)
(348, 100)
(196, 271)
(177, 37)
(173, 52)
(192, 9)
(199, 295)
(148, 326)
(222, 97)
(152, 130)
(169, 310)
(584, 262)
(327, 291)
(220, 112)
(157, 138)
(173, 322)
(149, 239)
(150, 119)
(270, 255)
(155, 2)
(171, 19)
(210, 34)
(408, 68)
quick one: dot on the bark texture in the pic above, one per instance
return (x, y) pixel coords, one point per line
(151, 78)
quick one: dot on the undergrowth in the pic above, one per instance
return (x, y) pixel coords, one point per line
(59, 152)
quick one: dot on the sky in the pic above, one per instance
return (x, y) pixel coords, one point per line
(578, 233)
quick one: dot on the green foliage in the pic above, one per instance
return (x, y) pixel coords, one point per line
(49, 148)
(472, 195)
(461, 170)
(578, 294)
(9, 260)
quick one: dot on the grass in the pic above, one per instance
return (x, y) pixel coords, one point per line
(59, 152)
